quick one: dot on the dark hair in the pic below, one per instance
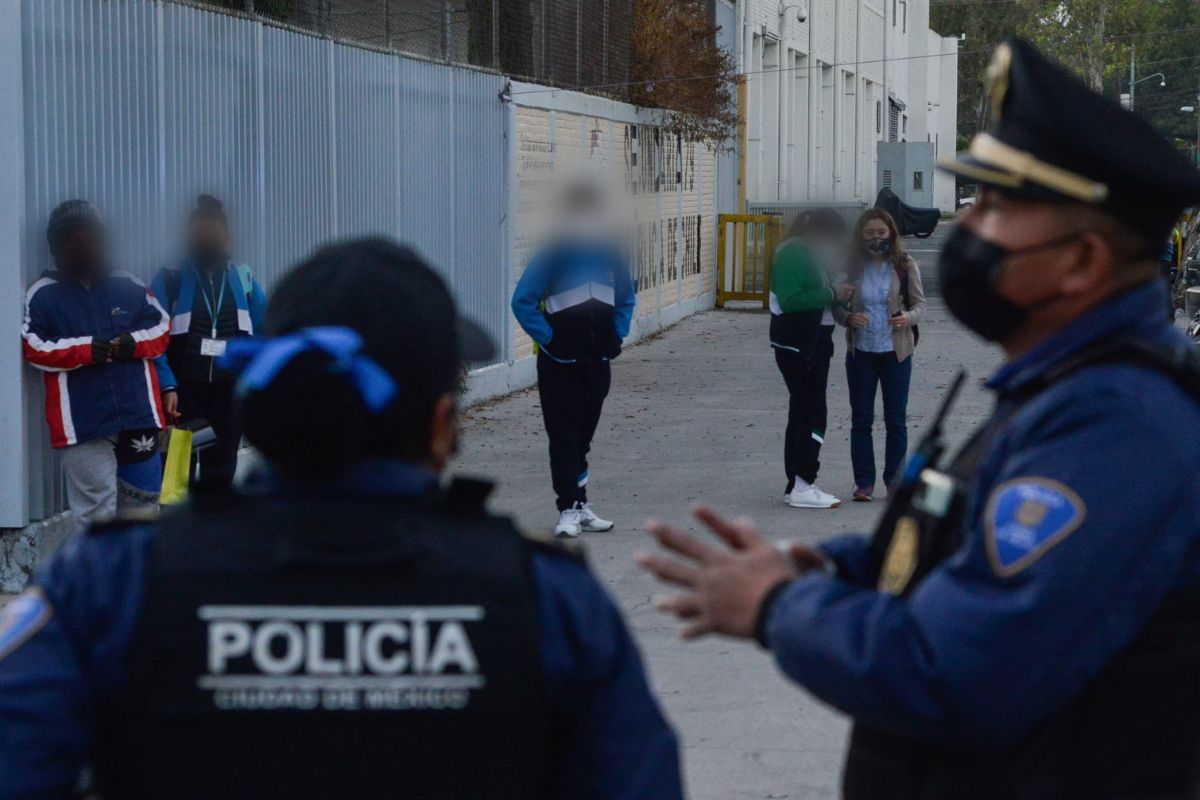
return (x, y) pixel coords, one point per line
(800, 223)
(826, 221)
(858, 249)
(310, 418)
(823, 221)
(209, 209)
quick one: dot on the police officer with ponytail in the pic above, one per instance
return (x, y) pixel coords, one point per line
(1025, 621)
(352, 628)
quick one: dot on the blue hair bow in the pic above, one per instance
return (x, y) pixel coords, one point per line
(260, 360)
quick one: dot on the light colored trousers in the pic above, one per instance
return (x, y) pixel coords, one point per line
(94, 492)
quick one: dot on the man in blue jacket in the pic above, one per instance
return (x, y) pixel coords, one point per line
(1025, 621)
(353, 629)
(93, 333)
(211, 300)
(575, 300)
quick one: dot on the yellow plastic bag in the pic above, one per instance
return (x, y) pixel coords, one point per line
(178, 468)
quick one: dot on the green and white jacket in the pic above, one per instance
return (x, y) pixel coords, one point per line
(800, 292)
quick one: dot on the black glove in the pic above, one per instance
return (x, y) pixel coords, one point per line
(101, 350)
(123, 347)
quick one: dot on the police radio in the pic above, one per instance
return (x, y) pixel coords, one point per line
(900, 547)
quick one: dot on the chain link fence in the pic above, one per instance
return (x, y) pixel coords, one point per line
(580, 44)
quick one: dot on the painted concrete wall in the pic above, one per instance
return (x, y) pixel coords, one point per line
(669, 184)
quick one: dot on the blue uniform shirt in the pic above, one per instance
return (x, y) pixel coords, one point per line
(1084, 514)
(63, 645)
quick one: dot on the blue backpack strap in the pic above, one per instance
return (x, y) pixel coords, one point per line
(245, 282)
(181, 305)
(245, 278)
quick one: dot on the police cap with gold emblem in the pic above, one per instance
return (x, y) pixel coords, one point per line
(1050, 137)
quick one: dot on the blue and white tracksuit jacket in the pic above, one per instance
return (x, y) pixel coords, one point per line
(576, 300)
(85, 400)
(178, 288)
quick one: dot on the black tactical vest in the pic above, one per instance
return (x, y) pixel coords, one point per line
(1134, 731)
(321, 648)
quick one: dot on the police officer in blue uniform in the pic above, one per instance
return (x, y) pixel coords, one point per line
(1025, 622)
(350, 629)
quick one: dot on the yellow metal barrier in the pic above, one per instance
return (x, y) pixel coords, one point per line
(745, 244)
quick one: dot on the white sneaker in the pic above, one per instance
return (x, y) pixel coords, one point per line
(569, 523)
(812, 497)
(592, 523)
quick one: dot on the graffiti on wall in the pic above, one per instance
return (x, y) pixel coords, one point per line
(666, 250)
(658, 161)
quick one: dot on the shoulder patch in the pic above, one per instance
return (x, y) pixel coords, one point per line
(552, 544)
(1025, 517)
(25, 615)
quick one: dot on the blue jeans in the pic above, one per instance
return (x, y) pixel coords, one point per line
(865, 371)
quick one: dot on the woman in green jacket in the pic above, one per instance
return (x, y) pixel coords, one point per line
(802, 293)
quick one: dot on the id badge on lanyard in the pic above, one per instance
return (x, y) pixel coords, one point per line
(213, 346)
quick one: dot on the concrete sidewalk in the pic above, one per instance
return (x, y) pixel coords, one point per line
(697, 413)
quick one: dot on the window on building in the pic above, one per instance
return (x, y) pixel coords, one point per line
(904, 125)
(887, 179)
(893, 121)
(893, 13)
(878, 117)
(918, 181)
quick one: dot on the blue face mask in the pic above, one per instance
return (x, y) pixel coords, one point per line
(879, 247)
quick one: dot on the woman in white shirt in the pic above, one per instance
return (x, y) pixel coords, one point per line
(881, 334)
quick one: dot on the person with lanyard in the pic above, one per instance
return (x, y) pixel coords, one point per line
(881, 334)
(212, 300)
(801, 295)
(350, 627)
(1025, 621)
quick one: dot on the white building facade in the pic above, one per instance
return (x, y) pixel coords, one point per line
(827, 80)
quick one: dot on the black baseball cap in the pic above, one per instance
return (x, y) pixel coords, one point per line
(1051, 137)
(387, 293)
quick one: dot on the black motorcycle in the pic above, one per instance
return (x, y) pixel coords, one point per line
(912, 221)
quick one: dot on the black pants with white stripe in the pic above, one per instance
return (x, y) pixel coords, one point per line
(806, 374)
(572, 397)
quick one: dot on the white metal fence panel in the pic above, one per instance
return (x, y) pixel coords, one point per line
(139, 105)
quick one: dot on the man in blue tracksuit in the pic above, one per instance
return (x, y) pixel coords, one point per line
(575, 300)
(349, 629)
(1025, 622)
(93, 332)
(211, 300)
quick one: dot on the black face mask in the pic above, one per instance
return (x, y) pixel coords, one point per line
(968, 271)
(879, 247)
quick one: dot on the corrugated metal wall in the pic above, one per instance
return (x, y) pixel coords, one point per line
(139, 105)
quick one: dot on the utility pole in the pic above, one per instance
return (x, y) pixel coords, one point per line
(1132, 71)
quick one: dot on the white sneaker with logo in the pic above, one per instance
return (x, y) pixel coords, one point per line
(812, 497)
(569, 523)
(590, 522)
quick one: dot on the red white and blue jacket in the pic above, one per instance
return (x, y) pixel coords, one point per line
(84, 400)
